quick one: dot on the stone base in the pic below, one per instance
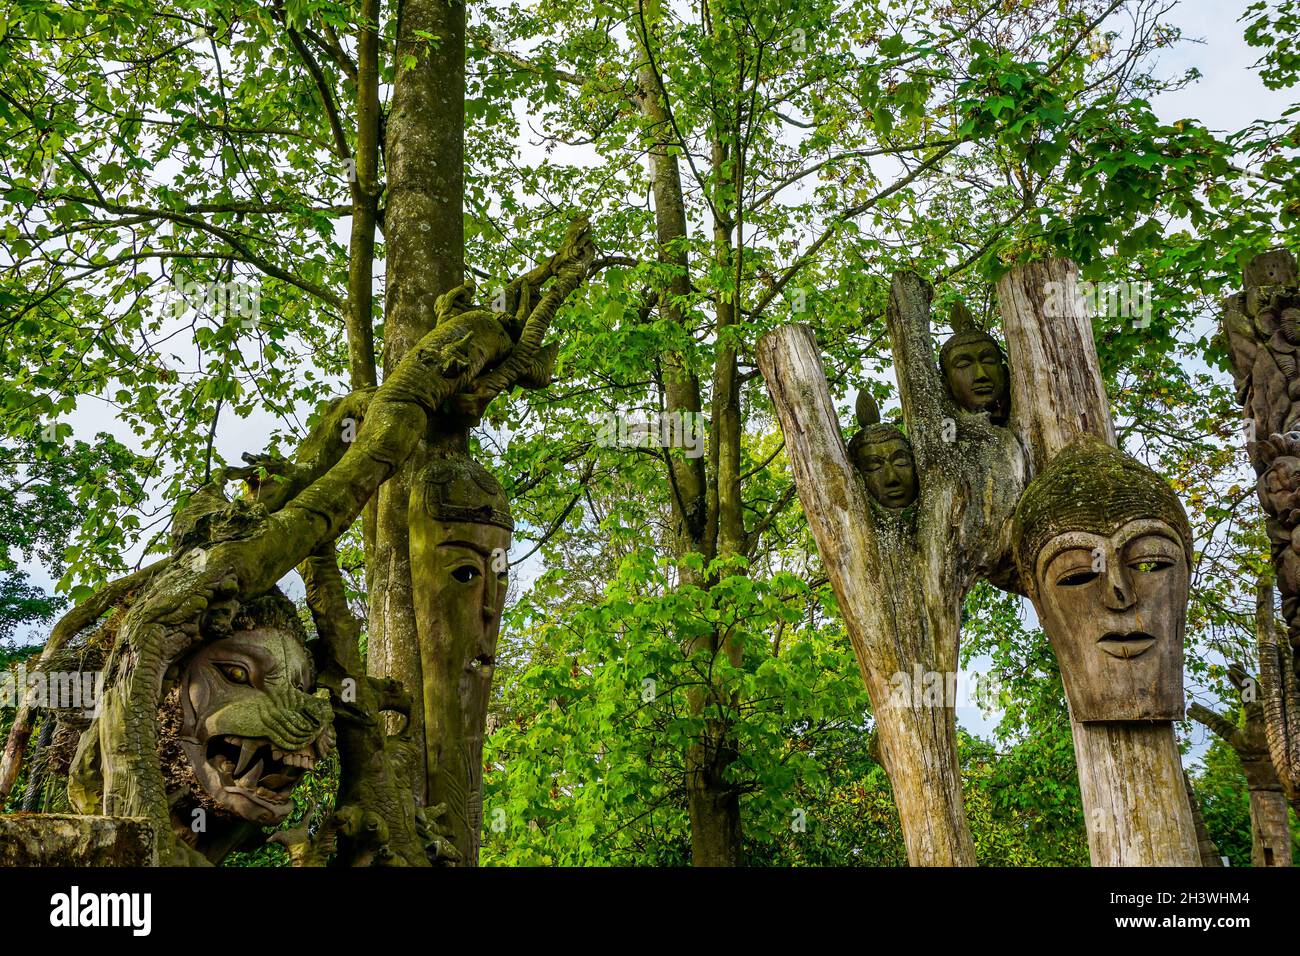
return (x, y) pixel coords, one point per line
(56, 839)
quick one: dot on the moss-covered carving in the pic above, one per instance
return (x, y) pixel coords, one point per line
(975, 368)
(883, 456)
(460, 534)
(228, 554)
(1105, 550)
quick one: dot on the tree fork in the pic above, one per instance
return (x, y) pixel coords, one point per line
(900, 577)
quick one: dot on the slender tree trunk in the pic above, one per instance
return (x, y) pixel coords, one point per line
(714, 806)
(424, 228)
(1130, 774)
(1205, 846)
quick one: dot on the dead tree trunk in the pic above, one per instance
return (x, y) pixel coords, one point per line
(900, 577)
(1130, 774)
(1205, 845)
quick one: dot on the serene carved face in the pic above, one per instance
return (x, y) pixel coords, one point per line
(460, 577)
(249, 726)
(890, 472)
(1115, 608)
(977, 377)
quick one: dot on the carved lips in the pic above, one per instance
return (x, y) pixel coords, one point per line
(1126, 646)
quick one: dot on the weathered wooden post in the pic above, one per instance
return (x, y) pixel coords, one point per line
(1130, 774)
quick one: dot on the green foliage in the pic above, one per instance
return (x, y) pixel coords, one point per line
(588, 764)
(170, 166)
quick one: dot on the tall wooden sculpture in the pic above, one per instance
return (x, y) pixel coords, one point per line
(1261, 326)
(900, 574)
(905, 527)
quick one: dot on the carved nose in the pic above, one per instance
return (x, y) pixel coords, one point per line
(491, 584)
(1117, 591)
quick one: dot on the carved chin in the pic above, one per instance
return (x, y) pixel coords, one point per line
(250, 776)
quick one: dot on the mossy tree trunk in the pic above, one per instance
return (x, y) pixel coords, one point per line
(900, 576)
(424, 230)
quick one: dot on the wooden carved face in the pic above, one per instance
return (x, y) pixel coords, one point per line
(461, 569)
(1114, 607)
(249, 726)
(889, 471)
(977, 377)
(1279, 488)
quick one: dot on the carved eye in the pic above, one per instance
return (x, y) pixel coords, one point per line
(235, 673)
(466, 573)
(1073, 579)
(873, 464)
(1148, 565)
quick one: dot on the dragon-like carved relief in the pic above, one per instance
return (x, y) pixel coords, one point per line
(1261, 326)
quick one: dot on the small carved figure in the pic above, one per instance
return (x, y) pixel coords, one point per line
(975, 369)
(1104, 550)
(883, 456)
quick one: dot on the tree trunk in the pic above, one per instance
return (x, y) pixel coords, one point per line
(1130, 774)
(900, 577)
(1205, 846)
(714, 806)
(424, 227)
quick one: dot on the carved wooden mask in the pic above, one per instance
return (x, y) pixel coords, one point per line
(883, 456)
(1104, 549)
